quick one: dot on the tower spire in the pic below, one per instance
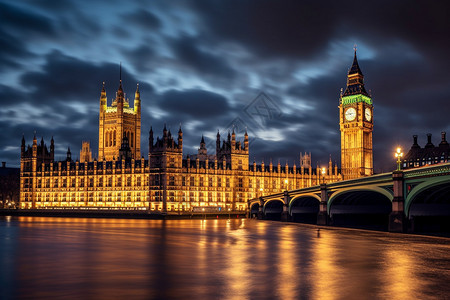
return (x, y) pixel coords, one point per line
(355, 79)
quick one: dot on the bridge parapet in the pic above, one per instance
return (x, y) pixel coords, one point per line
(433, 170)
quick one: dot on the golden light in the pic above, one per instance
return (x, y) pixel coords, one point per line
(399, 154)
(323, 171)
(286, 181)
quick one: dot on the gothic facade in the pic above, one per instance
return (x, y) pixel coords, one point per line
(165, 181)
(356, 124)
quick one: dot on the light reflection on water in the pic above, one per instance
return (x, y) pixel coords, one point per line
(44, 258)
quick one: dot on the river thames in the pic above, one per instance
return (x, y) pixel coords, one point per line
(82, 258)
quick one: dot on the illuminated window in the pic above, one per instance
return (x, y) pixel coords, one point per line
(240, 182)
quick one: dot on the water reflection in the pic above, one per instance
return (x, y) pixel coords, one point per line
(221, 259)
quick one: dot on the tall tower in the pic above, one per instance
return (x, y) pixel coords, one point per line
(356, 124)
(117, 121)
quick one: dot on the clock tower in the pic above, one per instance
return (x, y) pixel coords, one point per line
(356, 124)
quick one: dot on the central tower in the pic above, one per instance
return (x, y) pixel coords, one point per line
(356, 124)
(118, 121)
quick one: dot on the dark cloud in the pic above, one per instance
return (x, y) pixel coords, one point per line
(69, 79)
(206, 64)
(294, 28)
(144, 19)
(194, 104)
(24, 22)
(141, 57)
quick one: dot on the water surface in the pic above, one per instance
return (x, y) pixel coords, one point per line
(74, 258)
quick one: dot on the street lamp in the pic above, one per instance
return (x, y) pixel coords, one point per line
(286, 183)
(399, 155)
(323, 174)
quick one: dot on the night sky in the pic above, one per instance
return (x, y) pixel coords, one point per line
(210, 65)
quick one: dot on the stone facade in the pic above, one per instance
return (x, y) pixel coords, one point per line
(166, 181)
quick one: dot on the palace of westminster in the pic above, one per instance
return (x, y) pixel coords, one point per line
(120, 178)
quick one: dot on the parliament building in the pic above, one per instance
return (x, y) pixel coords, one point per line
(166, 180)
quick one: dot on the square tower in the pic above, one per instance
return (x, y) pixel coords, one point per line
(356, 125)
(118, 121)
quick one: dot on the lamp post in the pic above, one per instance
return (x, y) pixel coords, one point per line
(286, 184)
(399, 155)
(323, 174)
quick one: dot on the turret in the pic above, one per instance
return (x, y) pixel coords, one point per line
(52, 148)
(246, 141)
(69, 155)
(233, 141)
(202, 151)
(137, 101)
(34, 146)
(180, 138)
(217, 143)
(103, 99)
(150, 139)
(22, 147)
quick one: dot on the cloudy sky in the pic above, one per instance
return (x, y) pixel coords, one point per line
(273, 67)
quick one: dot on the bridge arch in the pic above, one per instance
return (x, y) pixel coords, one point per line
(429, 198)
(273, 208)
(304, 208)
(366, 207)
(253, 208)
(374, 189)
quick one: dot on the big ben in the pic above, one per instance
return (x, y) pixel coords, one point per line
(356, 124)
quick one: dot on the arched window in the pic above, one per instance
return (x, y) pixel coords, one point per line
(114, 138)
(132, 140)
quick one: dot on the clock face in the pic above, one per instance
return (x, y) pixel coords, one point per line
(350, 114)
(368, 114)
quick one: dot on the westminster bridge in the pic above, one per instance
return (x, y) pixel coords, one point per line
(399, 201)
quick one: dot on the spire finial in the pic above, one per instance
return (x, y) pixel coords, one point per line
(355, 47)
(120, 72)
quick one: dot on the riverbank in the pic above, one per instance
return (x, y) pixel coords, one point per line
(125, 214)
